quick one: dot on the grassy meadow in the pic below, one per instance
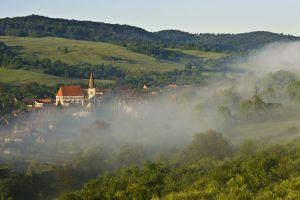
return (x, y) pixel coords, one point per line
(78, 51)
(14, 76)
(202, 54)
(265, 131)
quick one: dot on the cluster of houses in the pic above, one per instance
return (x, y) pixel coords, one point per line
(36, 128)
(70, 95)
(25, 129)
(32, 126)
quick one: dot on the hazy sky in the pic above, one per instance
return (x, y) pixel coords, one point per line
(219, 16)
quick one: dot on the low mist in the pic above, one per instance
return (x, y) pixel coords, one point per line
(167, 121)
(274, 57)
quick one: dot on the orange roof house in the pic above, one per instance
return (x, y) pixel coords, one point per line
(69, 94)
(69, 91)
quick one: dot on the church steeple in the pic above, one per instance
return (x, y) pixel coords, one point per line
(92, 88)
(91, 83)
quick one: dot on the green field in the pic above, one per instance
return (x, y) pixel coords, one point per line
(202, 54)
(265, 131)
(14, 76)
(87, 52)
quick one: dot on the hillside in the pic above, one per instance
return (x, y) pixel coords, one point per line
(86, 52)
(205, 55)
(15, 77)
(224, 42)
(39, 26)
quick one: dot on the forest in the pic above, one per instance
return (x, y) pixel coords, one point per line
(40, 26)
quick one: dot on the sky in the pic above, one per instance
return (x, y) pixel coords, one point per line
(195, 16)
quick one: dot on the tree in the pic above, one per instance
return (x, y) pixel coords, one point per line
(294, 90)
(255, 105)
(210, 144)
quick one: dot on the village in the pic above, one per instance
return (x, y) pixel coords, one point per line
(44, 119)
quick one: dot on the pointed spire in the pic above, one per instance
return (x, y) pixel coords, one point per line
(91, 83)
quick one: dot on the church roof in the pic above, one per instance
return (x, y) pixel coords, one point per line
(69, 91)
(91, 83)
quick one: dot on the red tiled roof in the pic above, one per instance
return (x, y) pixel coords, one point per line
(69, 91)
(44, 100)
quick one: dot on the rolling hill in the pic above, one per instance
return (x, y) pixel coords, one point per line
(40, 26)
(127, 47)
(86, 52)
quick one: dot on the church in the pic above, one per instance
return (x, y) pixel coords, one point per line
(75, 95)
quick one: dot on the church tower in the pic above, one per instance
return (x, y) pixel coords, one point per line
(92, 88)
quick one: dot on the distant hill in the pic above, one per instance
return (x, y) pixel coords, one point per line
(223, 42)
(40, 26)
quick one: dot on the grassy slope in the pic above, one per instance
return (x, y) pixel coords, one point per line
(14, 76)
(266, 131)
(202, 54)
(87, 52)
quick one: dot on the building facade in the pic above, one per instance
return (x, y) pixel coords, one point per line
(68, 95)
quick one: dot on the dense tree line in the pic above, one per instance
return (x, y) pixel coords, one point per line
(222, 42)
(39, 26)
(159, 52)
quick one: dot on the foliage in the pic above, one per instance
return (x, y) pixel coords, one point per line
(277, 83)
(268, 173)
(90, 53)
(248, 172)
(11, 96)
(6, 54)
(209, 145)
(39, 26)
(231, 97)
(294, 90)
(253, 105)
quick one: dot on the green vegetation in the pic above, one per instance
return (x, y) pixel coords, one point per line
(16, 77)
(85, 158)
(39, 26)
(251, 172)
(201, 54)
(275, 131)
(207, 168)
(11, 96)
(86, 52)
(12, 58)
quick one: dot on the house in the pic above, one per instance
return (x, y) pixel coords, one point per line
(37, 103)
(67, 95)
(40, 103)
